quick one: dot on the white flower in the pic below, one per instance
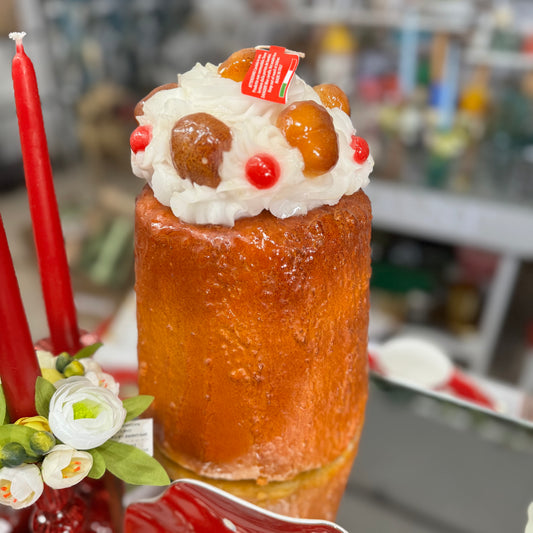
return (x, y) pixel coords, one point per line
(20, 486)
(103, 379)
(64, 466)
(83, 415)
(93, 371)
(90, 365)
(46, 359)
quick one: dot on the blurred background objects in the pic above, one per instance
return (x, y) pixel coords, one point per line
(441, 89)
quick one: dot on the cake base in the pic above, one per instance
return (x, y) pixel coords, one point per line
(253, 339)
(315, 494)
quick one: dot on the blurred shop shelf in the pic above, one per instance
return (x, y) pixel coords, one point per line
(502, 227)
(496, 226)
(481, 50)
(499, 59)
(429, 16)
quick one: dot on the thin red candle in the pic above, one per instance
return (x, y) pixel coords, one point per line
(18, 363)
(48, 236)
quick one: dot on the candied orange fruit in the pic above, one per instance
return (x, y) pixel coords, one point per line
(197, 143)
(237, 64)
(332, 95)
(308, 126)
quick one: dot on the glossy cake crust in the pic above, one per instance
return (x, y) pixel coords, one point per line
(253, 338)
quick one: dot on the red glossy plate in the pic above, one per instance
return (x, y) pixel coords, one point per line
(189, 506)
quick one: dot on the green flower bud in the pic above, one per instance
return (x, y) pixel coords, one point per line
(13, 454)
(63, 359)
(42, 442)
(75, 368)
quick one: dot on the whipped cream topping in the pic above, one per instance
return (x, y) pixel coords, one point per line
(252, 122)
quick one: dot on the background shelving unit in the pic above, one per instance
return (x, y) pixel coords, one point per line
(482, 221)
(76, 62)
(427, 19)
(499, 227)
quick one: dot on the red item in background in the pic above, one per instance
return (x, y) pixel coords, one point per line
(19, 368)
(15, 520)
(189, 505)
(58, 510)
(53, 266)
(476, 266)
(465, 388)
(527, 44)
(91, 505)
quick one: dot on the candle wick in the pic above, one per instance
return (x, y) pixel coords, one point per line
(17, 36)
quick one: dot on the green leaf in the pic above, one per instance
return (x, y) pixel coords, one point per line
(136, 405)
(3, 409)
(44, 391)
(98, 468)
(132, 465)
(87, 351)
(10, 433)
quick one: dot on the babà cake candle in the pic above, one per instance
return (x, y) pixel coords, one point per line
(48, 235)
(252, 257)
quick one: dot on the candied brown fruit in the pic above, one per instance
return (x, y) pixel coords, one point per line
(332, 95)
(237, 64)
(308, 126)
(139, 111)
(197, 143)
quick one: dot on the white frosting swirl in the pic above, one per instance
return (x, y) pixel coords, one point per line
(252, 124)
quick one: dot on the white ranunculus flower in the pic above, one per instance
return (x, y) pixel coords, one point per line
(64, 466)
(83, 415)
(20, 486)
(103, 379)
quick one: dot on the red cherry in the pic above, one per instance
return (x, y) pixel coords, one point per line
(262, 171)
(140, 138)
(361, 149)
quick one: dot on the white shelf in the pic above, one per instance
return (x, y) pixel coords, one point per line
(499, 59)
(426, 20)
(497, 226)
(491, 224)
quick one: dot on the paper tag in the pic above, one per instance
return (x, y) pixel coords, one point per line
(270, 74)
(138, 433)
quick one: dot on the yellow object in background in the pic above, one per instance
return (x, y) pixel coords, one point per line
(338, 39)
(475, 96)
(336, 58)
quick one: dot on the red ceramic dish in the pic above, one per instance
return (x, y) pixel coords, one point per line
(190, 506)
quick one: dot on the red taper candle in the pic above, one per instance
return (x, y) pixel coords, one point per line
(18, 363)
(48, 236)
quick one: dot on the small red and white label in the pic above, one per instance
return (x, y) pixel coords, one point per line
(270, 74)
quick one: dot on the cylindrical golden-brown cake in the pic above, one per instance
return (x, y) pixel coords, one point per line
(253, 290)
